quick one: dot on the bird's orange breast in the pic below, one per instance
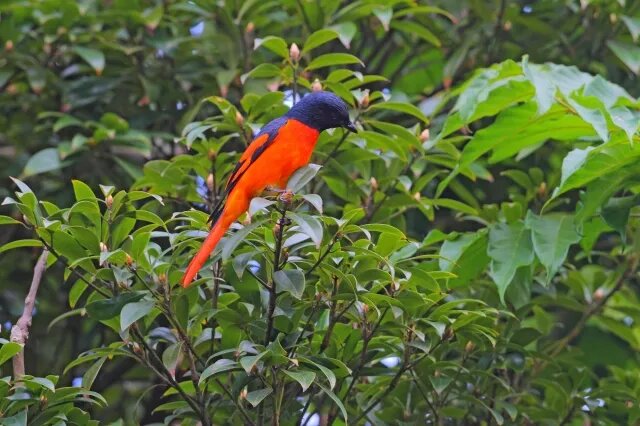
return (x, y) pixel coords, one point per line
(291, 149)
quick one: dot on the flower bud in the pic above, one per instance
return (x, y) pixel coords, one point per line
(448, 334)
(507, 26)
(144, 101)
(276, 229)
(613, 18)
(294, 52)
(424, 136)
(364, 101)
(162, 278)
(212, 155)
(286, 197)
(239, 119)
(365, 309)
(628, 404)
(136, 348)
(469, 347)
(8, 45)
(108, 200)
(316, 86)
(374, 184)
(417, 196)
(598, 295)
(244, 393)
(210, 181)
(542, 189)
(11, 89)
(128, 260)
(250, 28)
(103, 247)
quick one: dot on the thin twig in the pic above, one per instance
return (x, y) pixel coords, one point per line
(273, 291)
(20, 331)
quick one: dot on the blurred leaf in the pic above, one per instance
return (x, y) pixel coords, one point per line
(627, 53)
(291, 281)
(333, 59)
(510, 247)
(20, 243)
(41, 162)
(8, 350)
(257, 396)
(108, 308)
(319, 38)
(93, 57)
(552, 236)
(132, 312)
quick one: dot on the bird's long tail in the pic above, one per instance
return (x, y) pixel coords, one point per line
(209, 244)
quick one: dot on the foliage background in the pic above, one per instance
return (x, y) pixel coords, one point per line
(111, 93)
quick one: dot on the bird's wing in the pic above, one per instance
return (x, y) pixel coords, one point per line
(255, 149)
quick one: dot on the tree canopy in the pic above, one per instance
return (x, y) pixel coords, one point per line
(470, 256)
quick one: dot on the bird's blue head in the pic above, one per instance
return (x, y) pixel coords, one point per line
(322, 110)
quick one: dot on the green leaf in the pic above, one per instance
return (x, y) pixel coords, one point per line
(20, 243)
(552, 235)
(319, 38)
(628, 53)
(633, 24)
(331, 377)
(465, 256)
(302, 176)
(132, 312)
(384, 14)
(233, 241)
(314, 199)
(8, 350)
(582, 166)
(332, 59)
(276, 44)
(290, 280)
(93, 57)
(82, 191)
(616, 212)
(509, 248)
(413, 28)
(261, 71)
(405, 108)
(170, 356)
(19, 419)
(7, 220)
(41, 162)
(257, 396)
(593, 116)
(249, 362)
(92, 372)
(305, 378)
(335, 399)
(217, 367)
(346, 31)
(543, 85)
(108, 308)
(310, 226)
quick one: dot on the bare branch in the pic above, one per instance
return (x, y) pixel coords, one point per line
(20, 331)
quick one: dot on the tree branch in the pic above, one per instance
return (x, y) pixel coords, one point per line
(20, 331)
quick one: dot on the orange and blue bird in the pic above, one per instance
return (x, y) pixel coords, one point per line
(283, 146)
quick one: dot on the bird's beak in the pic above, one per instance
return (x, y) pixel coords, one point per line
(351, 127)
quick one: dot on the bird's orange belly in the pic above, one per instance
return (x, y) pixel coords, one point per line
(292, 151)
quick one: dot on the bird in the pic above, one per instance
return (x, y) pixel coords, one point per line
(282, 146)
